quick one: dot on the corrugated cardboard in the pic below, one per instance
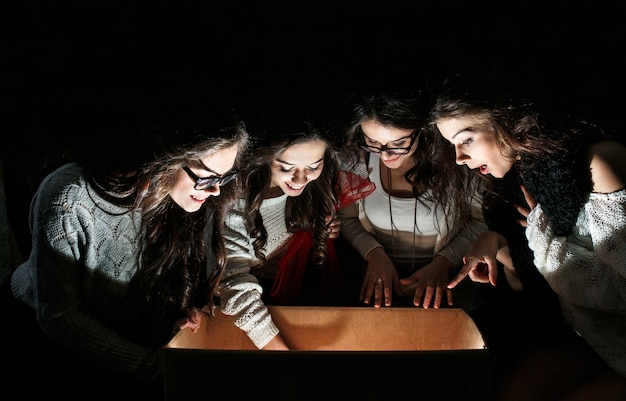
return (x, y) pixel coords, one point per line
(342, 353)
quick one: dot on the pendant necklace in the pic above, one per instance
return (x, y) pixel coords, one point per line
(393, 224)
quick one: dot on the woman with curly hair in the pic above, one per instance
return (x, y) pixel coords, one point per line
(556, 210)
(279, 236)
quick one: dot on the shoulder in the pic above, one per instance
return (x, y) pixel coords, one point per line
(355, 161)
(64, 180)
(66, 188)
(607, 161)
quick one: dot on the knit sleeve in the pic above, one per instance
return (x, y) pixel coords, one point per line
(456, 249)
(588, 268)
(240, 296)
(465, 231)
(239, 290)
(353, 231)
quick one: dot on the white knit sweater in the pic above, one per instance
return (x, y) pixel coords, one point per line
(587, 269)
(239, 290)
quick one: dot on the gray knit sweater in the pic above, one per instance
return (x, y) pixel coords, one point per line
(83, 256)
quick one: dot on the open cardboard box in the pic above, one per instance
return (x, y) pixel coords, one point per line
(346, 353)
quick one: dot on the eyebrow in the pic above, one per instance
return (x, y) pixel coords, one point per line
(210, 170)
(466, 129)
(293, 164)
(395, 140)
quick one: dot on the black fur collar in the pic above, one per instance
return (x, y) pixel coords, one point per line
(561, 184)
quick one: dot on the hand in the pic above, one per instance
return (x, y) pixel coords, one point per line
(525, 211)
(381, 279)
(276, 344)
(334, 228)
(192, 321)
(430, 281)
(480, 263)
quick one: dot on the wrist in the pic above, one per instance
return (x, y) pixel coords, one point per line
(443, 262)
(372, 251)
(495, 237)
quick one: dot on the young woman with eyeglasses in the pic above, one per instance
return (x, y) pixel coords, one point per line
(118, 261)
(410, 231)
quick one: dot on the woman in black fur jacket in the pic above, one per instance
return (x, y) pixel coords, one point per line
(556, 209)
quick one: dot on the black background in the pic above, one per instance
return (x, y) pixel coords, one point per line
(69, 65)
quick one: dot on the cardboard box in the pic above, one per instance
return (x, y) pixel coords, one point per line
(346, 353)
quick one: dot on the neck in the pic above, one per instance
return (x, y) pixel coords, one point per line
(273, 192)
(394, 182)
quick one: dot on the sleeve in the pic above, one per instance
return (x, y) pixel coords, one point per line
(62, 231)
(353, 231)
(592, 276)
(467, 228)
(239, 290)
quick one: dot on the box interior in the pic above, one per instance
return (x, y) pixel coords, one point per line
(346, 329)
(337, 353)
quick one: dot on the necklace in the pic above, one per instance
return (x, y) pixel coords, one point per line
(393, 224)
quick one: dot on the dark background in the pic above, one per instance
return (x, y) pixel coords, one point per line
(70, 66)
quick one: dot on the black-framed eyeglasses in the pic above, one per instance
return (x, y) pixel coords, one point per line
(391, 151)
(203, 183)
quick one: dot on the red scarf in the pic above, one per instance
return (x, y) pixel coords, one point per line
(293, 263)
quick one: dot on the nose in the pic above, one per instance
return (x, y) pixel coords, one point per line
(299, 177)
(384, 156)
(214, 190)
(461, 158)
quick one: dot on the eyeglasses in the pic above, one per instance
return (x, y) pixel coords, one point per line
(203, 183)
(391, 151)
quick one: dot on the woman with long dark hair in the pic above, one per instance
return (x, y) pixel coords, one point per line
(119, 238)
(280, 235)
(556, 211)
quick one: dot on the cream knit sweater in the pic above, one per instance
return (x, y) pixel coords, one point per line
(587, 270)
(239, 290)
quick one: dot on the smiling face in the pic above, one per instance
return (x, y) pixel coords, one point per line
(183, 192)
(376, 135)
(297, 166)
(475, 145)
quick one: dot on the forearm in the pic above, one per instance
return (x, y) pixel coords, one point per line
(354, 233)
(240, 296)
(462, 242)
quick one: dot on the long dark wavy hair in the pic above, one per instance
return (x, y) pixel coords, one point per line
(137, 169)
(522, 132)
(546, 145)
(304, 212)
(435, 177)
